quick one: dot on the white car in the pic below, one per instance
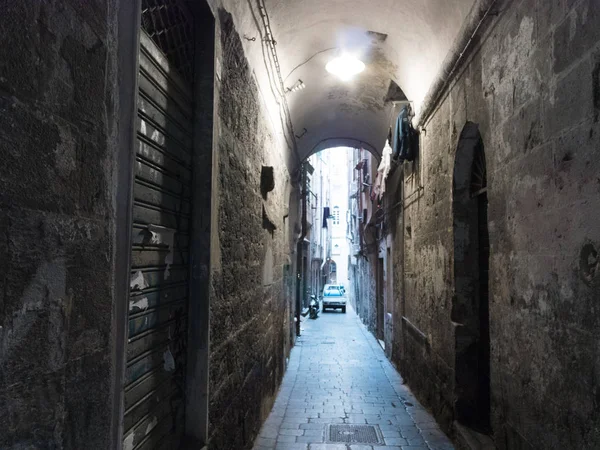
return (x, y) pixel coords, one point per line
(334, 297)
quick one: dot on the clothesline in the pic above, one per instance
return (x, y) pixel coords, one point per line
(403, 147)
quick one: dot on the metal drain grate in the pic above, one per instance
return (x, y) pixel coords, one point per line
(354, 434)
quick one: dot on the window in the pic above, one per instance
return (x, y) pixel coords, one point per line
(336, 215)
(333, 292)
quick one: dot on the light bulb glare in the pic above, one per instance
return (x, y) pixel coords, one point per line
(345, 67)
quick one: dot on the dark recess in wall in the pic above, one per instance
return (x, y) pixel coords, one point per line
(267, 181)
(394, 93)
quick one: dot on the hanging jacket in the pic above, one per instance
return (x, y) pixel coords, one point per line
(400, 135)
(413, 143)
(405, 137)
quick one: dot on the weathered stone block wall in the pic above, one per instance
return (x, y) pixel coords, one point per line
(367, 263)
(533, 87)
(427, 363)
(57, 106)
(249, 308)
(367, 308)
(394, 229)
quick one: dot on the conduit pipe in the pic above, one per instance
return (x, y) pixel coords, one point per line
(300, 249)
(461, 49)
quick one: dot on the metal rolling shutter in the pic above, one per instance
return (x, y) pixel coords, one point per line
(157, 322)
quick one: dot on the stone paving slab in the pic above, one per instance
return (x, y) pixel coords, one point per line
(338, 374)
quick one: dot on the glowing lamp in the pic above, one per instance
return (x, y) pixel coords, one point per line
(345, 67)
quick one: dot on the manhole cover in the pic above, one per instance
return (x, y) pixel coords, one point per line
(354, 434)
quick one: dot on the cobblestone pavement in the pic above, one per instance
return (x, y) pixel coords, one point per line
(338, 374)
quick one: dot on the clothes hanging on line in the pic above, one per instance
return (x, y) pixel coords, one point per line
(405, 137)
(376, 188)
(325, 216)
(386, 160)
(382, 172)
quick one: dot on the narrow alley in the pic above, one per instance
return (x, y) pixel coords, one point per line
(338, 375)
(182, 181)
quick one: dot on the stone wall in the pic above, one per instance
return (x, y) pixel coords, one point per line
(532, 85)
(250, 311)
(367, 307)
(58, 100)
(394, 242)
(58, 112)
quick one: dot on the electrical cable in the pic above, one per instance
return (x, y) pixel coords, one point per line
(271, 43)
(302, 63)
(426, 112)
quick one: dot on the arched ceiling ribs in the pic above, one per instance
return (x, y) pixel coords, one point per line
(402, 44)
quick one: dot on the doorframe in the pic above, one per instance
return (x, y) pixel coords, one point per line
(465, 311)
(380, 298)
(389, 301)
(128, 42)
(203, 190)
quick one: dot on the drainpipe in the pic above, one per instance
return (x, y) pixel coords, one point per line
(463, 45)
(403, 276)
(300, 251)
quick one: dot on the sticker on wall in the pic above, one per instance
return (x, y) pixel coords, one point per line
(138, 282)
(163, 236)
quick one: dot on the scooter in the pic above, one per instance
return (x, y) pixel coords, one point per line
(313, 307)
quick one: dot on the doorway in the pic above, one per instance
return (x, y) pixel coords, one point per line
(380, 288)
(483, 366)
(305, 278)
(165, 387)
(470, 308)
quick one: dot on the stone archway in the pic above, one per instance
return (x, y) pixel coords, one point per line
(329, 272)
(470, 305)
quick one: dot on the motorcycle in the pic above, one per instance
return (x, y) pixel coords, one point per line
(313, 307)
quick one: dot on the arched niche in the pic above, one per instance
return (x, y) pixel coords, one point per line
(470, 304)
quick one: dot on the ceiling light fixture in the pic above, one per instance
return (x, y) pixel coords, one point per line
(345, 67)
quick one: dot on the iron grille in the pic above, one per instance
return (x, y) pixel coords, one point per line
(354, 434)
(170, 25)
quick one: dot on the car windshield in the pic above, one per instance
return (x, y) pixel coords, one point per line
(332, 291)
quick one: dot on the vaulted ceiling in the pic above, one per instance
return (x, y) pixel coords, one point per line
(400, 41)
(404, 41)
